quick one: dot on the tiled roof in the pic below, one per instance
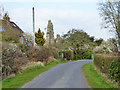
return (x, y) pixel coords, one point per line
(15, 26)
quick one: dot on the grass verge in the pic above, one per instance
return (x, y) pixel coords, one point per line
(27, 75)
(94, 79)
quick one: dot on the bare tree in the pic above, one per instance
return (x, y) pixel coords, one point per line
(110, 13)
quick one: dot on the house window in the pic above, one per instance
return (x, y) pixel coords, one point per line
(22, 39)
(14, 25)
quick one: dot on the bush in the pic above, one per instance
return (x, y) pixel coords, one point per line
(54, 53)
(21, 47)
(81, 54)
(87, 55)
(109, 66)
(12, 59)
(77, 57)
(42, 54)
(66, 54)
(114, 72)
(32, 53)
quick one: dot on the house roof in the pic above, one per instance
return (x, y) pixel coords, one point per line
(15, 26)
(9, 25)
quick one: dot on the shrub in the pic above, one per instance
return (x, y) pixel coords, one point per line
(87, 55)
(81, 54)
(77, 57)
(54, 53)
(21, 47)
(114, 71)
(108, 65)
(66, 54)
(32, 53)
(28, 39)
(12, 59)
(45, 53)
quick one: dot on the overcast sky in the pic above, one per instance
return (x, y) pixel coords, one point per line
(64, 14)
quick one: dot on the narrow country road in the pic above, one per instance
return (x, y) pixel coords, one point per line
(67, 75)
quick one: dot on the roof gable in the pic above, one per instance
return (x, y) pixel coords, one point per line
(9, 25)
(15, 26)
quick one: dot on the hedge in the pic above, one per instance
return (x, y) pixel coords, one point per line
(71, 55)
(108, 65)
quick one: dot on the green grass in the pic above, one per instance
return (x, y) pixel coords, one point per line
(0, 85)
(94, 79)
(27, 75)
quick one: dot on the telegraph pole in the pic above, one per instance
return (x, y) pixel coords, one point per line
(33, 26)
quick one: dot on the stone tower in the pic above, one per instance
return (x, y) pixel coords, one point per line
(50, 33)
(58, 39)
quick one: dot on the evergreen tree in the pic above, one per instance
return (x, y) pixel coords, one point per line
(39, 39)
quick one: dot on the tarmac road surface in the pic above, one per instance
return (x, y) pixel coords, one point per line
(67, 75)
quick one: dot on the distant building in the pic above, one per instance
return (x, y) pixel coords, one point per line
(50, 40)
(58, 39)
(50, 34)
(6, 25)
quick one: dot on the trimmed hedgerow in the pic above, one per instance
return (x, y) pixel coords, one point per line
(109, 66)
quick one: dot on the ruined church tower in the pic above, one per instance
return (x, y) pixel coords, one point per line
(50, 33)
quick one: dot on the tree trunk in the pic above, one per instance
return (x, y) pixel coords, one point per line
(5, 73)
(119, 56)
